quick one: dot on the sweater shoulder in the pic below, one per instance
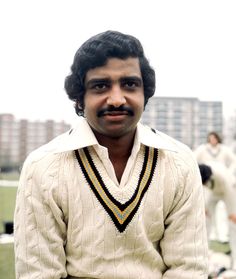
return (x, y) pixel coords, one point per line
(44, 160)
(181, 163)
(182, 150)
(45, 151)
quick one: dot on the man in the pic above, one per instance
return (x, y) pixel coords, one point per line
(219, 183)
(111, 198)
(214, 150)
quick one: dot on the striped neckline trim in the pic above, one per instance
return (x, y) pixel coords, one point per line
(120, 213)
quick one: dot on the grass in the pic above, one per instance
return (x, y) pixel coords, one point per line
(220, 247)
(9, 176)
(7, 205)
(7, 270)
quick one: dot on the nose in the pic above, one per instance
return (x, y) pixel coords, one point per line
(116, 97)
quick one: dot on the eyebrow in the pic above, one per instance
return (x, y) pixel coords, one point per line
(132, 78)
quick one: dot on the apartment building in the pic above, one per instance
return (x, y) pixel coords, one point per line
(188, 120)
(18, 137)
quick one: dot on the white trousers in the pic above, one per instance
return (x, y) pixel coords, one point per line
(219, 222)
(216, 213)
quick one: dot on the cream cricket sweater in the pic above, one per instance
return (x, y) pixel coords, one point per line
(220, 153)
(73, 219)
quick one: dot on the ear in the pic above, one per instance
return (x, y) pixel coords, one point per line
(79, 108)
(79, 105)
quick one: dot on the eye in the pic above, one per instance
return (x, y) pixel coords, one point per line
(100, 86)
(131, 84)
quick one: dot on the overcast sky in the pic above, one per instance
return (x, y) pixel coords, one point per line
(190, 44)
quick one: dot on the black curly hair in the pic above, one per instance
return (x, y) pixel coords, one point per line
(205, 172)
(95, 52)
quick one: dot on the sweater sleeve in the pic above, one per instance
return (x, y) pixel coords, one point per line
(39, 227)
(184, 245)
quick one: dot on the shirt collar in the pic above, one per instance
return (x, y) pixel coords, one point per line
(81, 135)
(154, 138)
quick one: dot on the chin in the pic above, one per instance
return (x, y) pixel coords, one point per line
(119, 133)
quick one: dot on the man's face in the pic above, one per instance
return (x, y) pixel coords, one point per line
(114, 97)
(212, 140)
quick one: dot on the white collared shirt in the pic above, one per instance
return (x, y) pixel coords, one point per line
(81, 135)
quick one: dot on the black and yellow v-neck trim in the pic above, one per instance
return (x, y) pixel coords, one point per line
(120, 213)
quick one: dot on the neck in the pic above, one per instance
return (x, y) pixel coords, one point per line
(119, 146)
(119, 150)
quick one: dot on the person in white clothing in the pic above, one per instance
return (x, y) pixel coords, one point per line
(219, 185)
(214, 150)
(111, 198)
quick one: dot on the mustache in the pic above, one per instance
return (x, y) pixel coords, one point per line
(111, 109)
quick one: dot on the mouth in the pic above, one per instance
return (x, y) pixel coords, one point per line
(115, 115)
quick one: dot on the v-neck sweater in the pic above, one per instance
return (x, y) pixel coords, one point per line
(69, 233)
